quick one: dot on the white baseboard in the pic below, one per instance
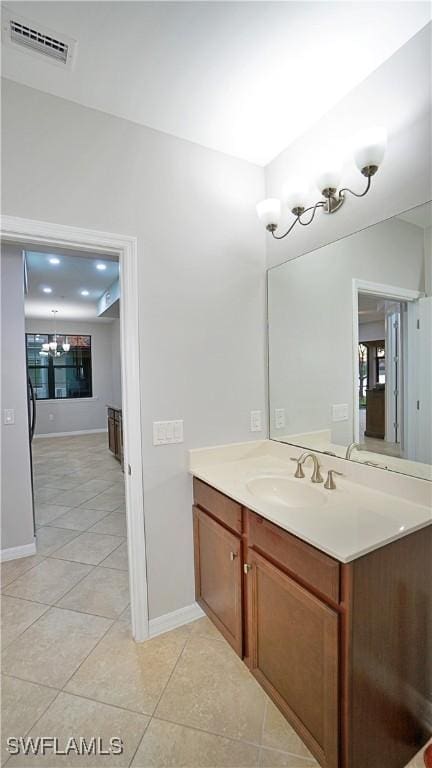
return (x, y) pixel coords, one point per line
(13, 553)
(71, 434)
(174, 619)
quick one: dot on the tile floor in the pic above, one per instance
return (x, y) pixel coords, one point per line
(71, 668)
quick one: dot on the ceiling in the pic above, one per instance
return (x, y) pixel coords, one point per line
(73, 274)
(245, 78)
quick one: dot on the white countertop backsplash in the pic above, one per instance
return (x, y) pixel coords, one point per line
(369, 508)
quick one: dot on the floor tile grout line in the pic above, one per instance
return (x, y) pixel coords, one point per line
(20, 634)
(81, 530)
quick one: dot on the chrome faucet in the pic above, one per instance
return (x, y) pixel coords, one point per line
(352, 447)
(316, 474)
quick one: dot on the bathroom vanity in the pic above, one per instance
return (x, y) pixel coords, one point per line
(325, 594)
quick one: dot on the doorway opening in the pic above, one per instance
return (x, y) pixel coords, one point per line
(41, 237)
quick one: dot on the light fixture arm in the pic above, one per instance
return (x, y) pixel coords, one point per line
(341, 192)
(312, 208)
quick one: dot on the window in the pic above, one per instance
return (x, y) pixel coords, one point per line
(363, 373)
(60, 378)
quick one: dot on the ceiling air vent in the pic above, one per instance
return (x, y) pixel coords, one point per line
(34, 38)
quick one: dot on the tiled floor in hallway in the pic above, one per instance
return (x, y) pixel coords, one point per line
(70, 667)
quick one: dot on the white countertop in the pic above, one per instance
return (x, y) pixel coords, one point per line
(348, 522)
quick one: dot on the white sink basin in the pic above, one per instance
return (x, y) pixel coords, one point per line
(286, 491)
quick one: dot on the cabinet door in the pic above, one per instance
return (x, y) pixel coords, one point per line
(218, 576)
(293, 640)
(111, 435)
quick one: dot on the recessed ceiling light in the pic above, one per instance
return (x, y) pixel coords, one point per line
(54, 260)
(84, 293)
(47, 290)
(101, 266)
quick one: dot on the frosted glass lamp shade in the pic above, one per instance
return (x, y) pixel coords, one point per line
(329, 177)
(369, 147)
(295, 193)
(45, 347)
(269, 212)
(53, 346)
(66, 347)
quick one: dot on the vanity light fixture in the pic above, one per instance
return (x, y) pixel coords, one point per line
(85, 292)
(369, 150)
(101, 266)
(54, 260)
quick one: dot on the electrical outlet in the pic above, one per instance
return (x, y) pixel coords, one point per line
(9, 416)
(167, 432)
(279, 415)
(256, 421)
(340, 412)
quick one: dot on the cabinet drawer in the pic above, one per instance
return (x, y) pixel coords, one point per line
(221, 507)
(312, 567)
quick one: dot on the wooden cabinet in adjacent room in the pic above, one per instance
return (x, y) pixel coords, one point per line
(115, 433)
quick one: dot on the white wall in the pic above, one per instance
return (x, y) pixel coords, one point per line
(77, 415)
(310, 322)
(16, 494)
(201, 284)
(397, 95)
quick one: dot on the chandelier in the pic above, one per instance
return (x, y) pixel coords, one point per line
(368, 155)
(52, 348)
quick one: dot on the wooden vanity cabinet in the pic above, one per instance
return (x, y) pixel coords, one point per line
(344, 650)
(294, 655)
(218, 562)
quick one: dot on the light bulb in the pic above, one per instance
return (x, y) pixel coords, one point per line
(294, 194)
(269, 212)
(329, 176)
(66, 347)
(369, 149)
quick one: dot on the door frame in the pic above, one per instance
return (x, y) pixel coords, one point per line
(19, 230)
(386, 292)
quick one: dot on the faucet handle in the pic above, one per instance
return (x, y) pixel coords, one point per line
(330, 483)
(299, 471)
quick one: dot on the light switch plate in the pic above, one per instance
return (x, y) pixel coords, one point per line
(256, 421)
(340, 412)
(9, 416)
(279, 418)
(167, 432)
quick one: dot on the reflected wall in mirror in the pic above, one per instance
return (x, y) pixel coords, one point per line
(350, 346)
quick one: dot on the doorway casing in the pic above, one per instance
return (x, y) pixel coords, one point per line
(18, 230)
(384, 291)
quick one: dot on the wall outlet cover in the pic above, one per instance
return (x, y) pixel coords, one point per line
(168, 432)
(279, 417)
(9, 416)
(256, 421)
(340, 412)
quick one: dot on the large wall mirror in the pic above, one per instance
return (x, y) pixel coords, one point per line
(350, 346)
